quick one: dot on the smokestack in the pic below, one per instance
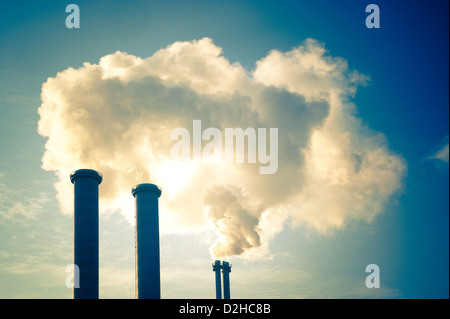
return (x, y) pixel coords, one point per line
(216, 268)
(86, 183)
(147, 241)
(226, 279)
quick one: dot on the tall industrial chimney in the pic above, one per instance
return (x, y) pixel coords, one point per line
(147, 241)
(86, 183)
(226, 279)
(216, 268)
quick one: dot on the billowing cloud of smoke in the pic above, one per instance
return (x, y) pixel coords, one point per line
(116, 117)
(237, 224)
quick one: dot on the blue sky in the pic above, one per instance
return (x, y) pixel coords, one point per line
(405, 99)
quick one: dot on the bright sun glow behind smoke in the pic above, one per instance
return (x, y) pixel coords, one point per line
(173, 176)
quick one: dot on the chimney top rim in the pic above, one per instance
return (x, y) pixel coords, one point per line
(146, 187)
(84, 172)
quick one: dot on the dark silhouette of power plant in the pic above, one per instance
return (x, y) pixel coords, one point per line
(216, 268)
(147, 241)
(86, 183)
(226, 269)
(86, 239)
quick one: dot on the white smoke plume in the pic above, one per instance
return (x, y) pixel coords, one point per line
(116, 117)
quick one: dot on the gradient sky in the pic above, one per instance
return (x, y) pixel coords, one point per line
(406, 99)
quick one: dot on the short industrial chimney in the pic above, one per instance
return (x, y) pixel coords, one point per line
(226, 279)
(86, 183)
(147, 241)
(216, 268)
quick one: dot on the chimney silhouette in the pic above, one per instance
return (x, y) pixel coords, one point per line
(226, 279)
(147, 241)
(216, 268)
(86, 252)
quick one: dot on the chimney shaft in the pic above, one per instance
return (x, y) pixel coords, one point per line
(86, 183)
(216, 268)
(226, 279)
(147, 241)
